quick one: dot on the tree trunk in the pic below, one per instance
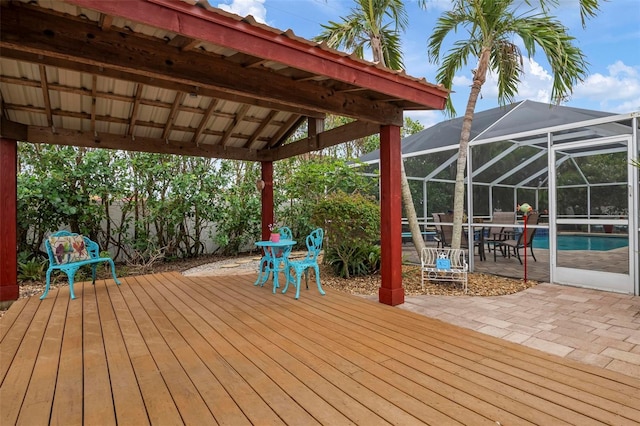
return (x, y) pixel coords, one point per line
(407, 199)
(412, 217)
(479, 78)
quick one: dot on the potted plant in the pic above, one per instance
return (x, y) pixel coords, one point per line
(275, 233)
(615, 212)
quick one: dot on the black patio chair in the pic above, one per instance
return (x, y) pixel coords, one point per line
(514, 246)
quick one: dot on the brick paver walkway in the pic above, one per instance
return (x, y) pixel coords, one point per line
(591, 326)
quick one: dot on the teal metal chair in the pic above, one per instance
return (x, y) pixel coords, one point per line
(314, 246)
(285, 233)
(71, 254)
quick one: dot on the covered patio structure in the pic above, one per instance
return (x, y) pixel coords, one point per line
(182, 77)
(170, 349)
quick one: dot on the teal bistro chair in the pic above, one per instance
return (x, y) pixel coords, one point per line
(314, 246)
(285, 233)
(265, 262)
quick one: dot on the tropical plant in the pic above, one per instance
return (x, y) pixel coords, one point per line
(31, 269)
(238, 209)
(492, 26)
(352, 226)
(377, 24)
(349, 260)
(303, 183)
(373, 24)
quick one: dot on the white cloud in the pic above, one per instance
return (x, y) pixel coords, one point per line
(535, 84)
(618, 91)
(254, 8)
(438, 5)
(426, 118)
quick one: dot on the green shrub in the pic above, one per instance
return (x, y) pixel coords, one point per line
(31, 269)
(352, 227)
(348, 260)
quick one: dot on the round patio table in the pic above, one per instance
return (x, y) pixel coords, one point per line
(275, 259)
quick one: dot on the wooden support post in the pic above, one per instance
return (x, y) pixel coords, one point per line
(391, 291)
(267, 198)
(9, 290)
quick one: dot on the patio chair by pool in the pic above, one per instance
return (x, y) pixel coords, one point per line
(515, 245)
(445, 234)
(498, 231)
(310, 261)
(438, 237)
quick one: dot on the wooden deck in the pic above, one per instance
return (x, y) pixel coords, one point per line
(167, 349)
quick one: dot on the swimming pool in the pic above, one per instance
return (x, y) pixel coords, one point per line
(583, 242)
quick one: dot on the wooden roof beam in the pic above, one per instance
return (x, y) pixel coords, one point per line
(79, 44)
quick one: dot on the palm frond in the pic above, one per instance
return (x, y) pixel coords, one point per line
(369, 21)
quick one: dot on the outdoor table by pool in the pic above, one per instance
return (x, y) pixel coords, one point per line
(274, 260)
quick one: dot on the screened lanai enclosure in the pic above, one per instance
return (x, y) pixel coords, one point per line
(573, 166)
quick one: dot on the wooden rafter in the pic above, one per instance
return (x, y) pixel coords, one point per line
(233, 124)
(105, 21)
(135, 110)
(94, 84)
(183, 43)
(265, 122)
(326, 139)
(204, 120)
(172, 114)
(45, 94)
(284, 130)
(109, 52)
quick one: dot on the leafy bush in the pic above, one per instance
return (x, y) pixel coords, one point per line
(302, 183)
(349, 260)
(31, 269)
(352, 225)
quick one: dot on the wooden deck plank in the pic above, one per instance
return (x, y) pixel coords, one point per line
(427, 406)
(572, 403)
(36, 407)
(350, 365)
(232, 345)
(517, 389)
(249, 401)
(510, 378)
(221, 405)
(15, 383)
(563, 371)
(193, 410)
(445, 401)
(14, 334)
(10, 316)
(168, 348)
(158, 402)
(99, 408)
(342, 401)
(127, 400)
(67, 408)
(535, 359)
(467, 388)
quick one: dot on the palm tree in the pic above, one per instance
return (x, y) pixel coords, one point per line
(368, 26)
(492, 26)
(376, 24)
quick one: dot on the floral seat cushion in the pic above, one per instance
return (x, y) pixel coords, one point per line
(68, 249)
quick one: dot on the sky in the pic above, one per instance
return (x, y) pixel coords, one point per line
(610, 42)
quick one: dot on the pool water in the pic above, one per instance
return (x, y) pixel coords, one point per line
(583, 242)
